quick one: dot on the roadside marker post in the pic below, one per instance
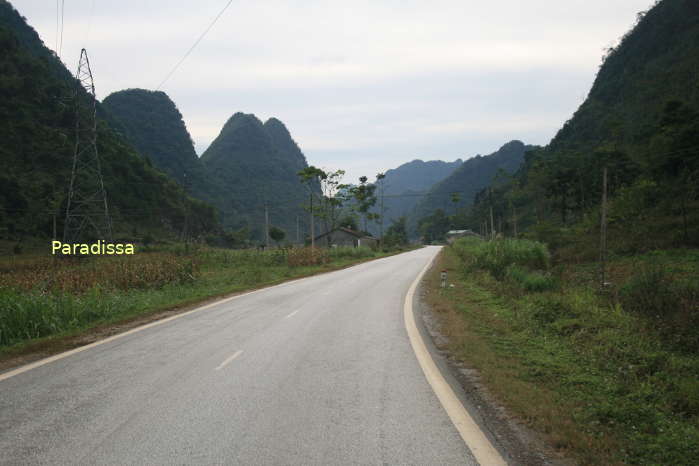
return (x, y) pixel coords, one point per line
(443, 275)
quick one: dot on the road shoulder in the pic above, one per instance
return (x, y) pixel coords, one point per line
(518, 443)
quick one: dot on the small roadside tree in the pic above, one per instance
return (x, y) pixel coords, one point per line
(277, 234)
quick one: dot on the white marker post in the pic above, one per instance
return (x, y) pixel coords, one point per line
(444, 278)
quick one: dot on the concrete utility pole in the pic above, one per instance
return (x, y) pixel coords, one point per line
(603, 231)
(298, 230)
(313, 229)
(492, 224)
(266, 227)
(514, 218)
(185, 227)
(86, 206)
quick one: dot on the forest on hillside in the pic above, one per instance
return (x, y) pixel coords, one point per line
(37, 124)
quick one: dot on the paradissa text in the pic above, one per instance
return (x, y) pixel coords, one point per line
(94, 249)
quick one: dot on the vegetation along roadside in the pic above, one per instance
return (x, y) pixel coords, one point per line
(607, 377)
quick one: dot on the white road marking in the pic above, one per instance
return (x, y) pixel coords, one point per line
(292, 314)
(229, 359)
(484, 451)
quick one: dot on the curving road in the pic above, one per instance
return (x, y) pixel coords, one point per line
(315, 371)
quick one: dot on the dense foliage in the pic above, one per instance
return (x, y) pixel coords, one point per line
(37, 124)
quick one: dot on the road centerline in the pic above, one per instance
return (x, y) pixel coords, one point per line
(229, 359)
(292, 314)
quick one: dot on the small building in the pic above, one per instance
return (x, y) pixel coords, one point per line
(342, 236)
(453, 235)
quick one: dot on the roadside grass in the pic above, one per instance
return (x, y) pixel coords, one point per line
(604, 384)
(43, 300)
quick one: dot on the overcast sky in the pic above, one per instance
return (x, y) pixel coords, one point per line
(361, 85)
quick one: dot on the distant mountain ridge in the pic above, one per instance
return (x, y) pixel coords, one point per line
(248, 166)
(404, 184)
(471, 177)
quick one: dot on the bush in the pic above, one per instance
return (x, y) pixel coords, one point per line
(529, 281)
(496, 256)
(649, 292)
(672, 305)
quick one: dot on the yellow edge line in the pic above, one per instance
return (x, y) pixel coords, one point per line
(482, 449)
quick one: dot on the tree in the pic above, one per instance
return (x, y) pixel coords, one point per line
(349, 221)
(434, 227)
(365, 198)
(327, 204)
(277, 234)
(397, 233)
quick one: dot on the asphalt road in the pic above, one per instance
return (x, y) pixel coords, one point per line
(315, 371)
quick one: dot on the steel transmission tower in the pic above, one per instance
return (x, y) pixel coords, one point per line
(87, 214)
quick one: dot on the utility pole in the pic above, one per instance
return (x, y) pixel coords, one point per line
(86, 206)
(379, 178)
(298, 230)
(266, 227)
(492, 224)
(603, 231)
(185, 227)
(514, 218)
(313, 229)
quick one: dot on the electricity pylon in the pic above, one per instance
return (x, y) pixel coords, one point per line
(87, 214)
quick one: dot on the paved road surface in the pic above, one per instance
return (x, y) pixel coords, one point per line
(316, 371)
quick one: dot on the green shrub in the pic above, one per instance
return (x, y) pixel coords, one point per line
(548, 308)
(650, 292)
(495, 256)
(529, 281)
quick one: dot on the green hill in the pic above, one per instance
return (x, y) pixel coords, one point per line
(37, 129)
(256, 165)
(405, 184)
(471, 177)
(641, 121)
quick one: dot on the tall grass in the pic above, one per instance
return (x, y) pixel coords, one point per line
(496, 256)
(79, 275)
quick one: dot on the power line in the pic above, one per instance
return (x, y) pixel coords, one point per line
(58, 21)
(60, 44)
(89, 23)
(194, 45)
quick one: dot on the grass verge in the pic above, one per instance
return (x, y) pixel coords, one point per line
(601, 383)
